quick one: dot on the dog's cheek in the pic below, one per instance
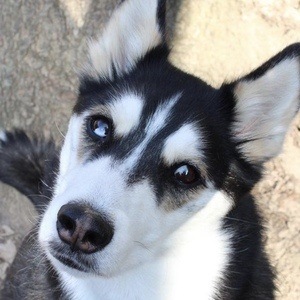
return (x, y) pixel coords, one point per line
(69, 153)
(47, 229)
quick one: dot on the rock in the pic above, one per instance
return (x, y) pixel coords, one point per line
(3, 267)
(5, 231)
(8, 251)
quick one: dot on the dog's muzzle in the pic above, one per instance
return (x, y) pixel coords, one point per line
(82, 228)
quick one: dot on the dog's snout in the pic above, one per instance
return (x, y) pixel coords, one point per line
(85, 230)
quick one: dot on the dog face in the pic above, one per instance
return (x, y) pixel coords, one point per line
(148, 146)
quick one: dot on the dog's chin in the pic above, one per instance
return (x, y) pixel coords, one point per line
(62, 267)
(63, 262)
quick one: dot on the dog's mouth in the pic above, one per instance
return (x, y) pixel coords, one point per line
(72, 260)
(69, 262)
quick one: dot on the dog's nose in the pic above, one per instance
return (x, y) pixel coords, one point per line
(85, 230)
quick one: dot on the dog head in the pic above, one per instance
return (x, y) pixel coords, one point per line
(149, 146)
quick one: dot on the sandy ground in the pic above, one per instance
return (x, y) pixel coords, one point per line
(43, 42)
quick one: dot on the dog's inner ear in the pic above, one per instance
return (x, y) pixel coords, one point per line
(266, 102)
(135, 28)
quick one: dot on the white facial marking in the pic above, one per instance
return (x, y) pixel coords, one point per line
(154, 125)
(183, 144)
(131, 32)
(82, 182)
(265, 108)
(69, 152)
(126, 113)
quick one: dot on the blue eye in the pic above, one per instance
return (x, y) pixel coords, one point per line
(100, 128)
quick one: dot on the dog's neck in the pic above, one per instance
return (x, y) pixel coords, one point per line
(192, 268)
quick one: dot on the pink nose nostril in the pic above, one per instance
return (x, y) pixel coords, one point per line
(85, 230)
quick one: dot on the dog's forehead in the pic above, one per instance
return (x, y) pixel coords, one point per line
(162, 132)
(155, 81)
(159, 114)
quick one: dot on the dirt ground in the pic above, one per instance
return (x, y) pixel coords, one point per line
(43, 42)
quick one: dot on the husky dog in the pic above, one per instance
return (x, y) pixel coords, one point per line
(150, 196)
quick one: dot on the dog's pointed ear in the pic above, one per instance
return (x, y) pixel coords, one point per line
(265, 102)
(135, 28)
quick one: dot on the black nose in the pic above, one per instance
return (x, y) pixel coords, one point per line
(84, 229)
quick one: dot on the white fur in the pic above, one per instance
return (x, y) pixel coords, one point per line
(126, 113)
(158, 121)
(265, 109)
(160, 117)
(69, 153)
(183, 144)
(198, 252)
(131, 32)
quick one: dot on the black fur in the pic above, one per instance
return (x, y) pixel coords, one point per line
(161, 15)
(23, 164)
(291, 51)
(31, 276)
(249, 275)
(29, 164)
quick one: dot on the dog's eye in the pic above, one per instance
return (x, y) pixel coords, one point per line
(99, 128)
(186, 174)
